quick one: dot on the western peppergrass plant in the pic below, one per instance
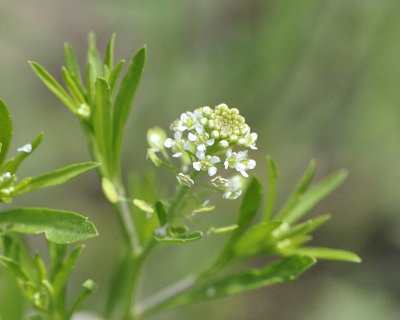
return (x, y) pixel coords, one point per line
(208, 150)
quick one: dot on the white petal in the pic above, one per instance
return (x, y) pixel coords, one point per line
(215, 159)
(212, 171)
(187, 145)
(244, 173)
(169, 143)
(198, 127)
(192, 137)
(210, 142)
(178, 136)
(197, 165)
(240, 167)
(251, 164)
(177, 155)
(224, 143)
(200, 155)
(229, 152)
(226, 164)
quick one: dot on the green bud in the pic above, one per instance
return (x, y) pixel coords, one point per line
(156, 138)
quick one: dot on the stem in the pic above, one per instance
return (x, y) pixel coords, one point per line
(163, 298)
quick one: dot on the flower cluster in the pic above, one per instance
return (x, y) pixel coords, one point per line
(205, 139)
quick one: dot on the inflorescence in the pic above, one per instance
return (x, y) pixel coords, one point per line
(204, 140)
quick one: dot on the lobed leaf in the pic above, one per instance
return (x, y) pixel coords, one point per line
(53, 178)
(58, 226)
(6, 128)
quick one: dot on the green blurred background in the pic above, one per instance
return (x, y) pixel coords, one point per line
(315, 79)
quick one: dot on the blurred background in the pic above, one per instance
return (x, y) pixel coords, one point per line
(315, 79)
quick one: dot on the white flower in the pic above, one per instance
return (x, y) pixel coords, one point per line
(206, 162)
(201, 140)
(185, 179)
(219, 181)
(234, 188)
(239, 162)
(178, 145)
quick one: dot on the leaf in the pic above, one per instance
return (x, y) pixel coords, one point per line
(54, 86)
(328, 254)
(248, 209)
(284, 270)
(13, 164)
(6, 128)
(272, 177)
(93, 56)
(181, 238)
(112, 80)
(250, 204)
(65, 270)
(74, 89)
(256, 240)
(161, 213)
(90, 81)
(53, 178)
(15, 268)
(315, 195)
(109, 55)
(72, 65)
(299, 191)
(123, 100)
(59, 226)
(102, 121)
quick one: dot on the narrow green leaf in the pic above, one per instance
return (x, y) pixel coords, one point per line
(298, 191)
(109, 55)
(63, 273)
(284, 270)
(250, 204)
(272, 178)
(102, 120)
(13, 164)
(248, 209)
(40, 267)
(6, 128)
(315, 195)
(93, 56)
(181, 238)
(256, 240)
(90, 83)
(57, 253)
(15, 268)
(301, 228)
(72, 64)
(59, 226)
(115, 73)
(328, 254)
(124, 98)
(54, 86)
(73, 88)
(54, 178)
(161, 213)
